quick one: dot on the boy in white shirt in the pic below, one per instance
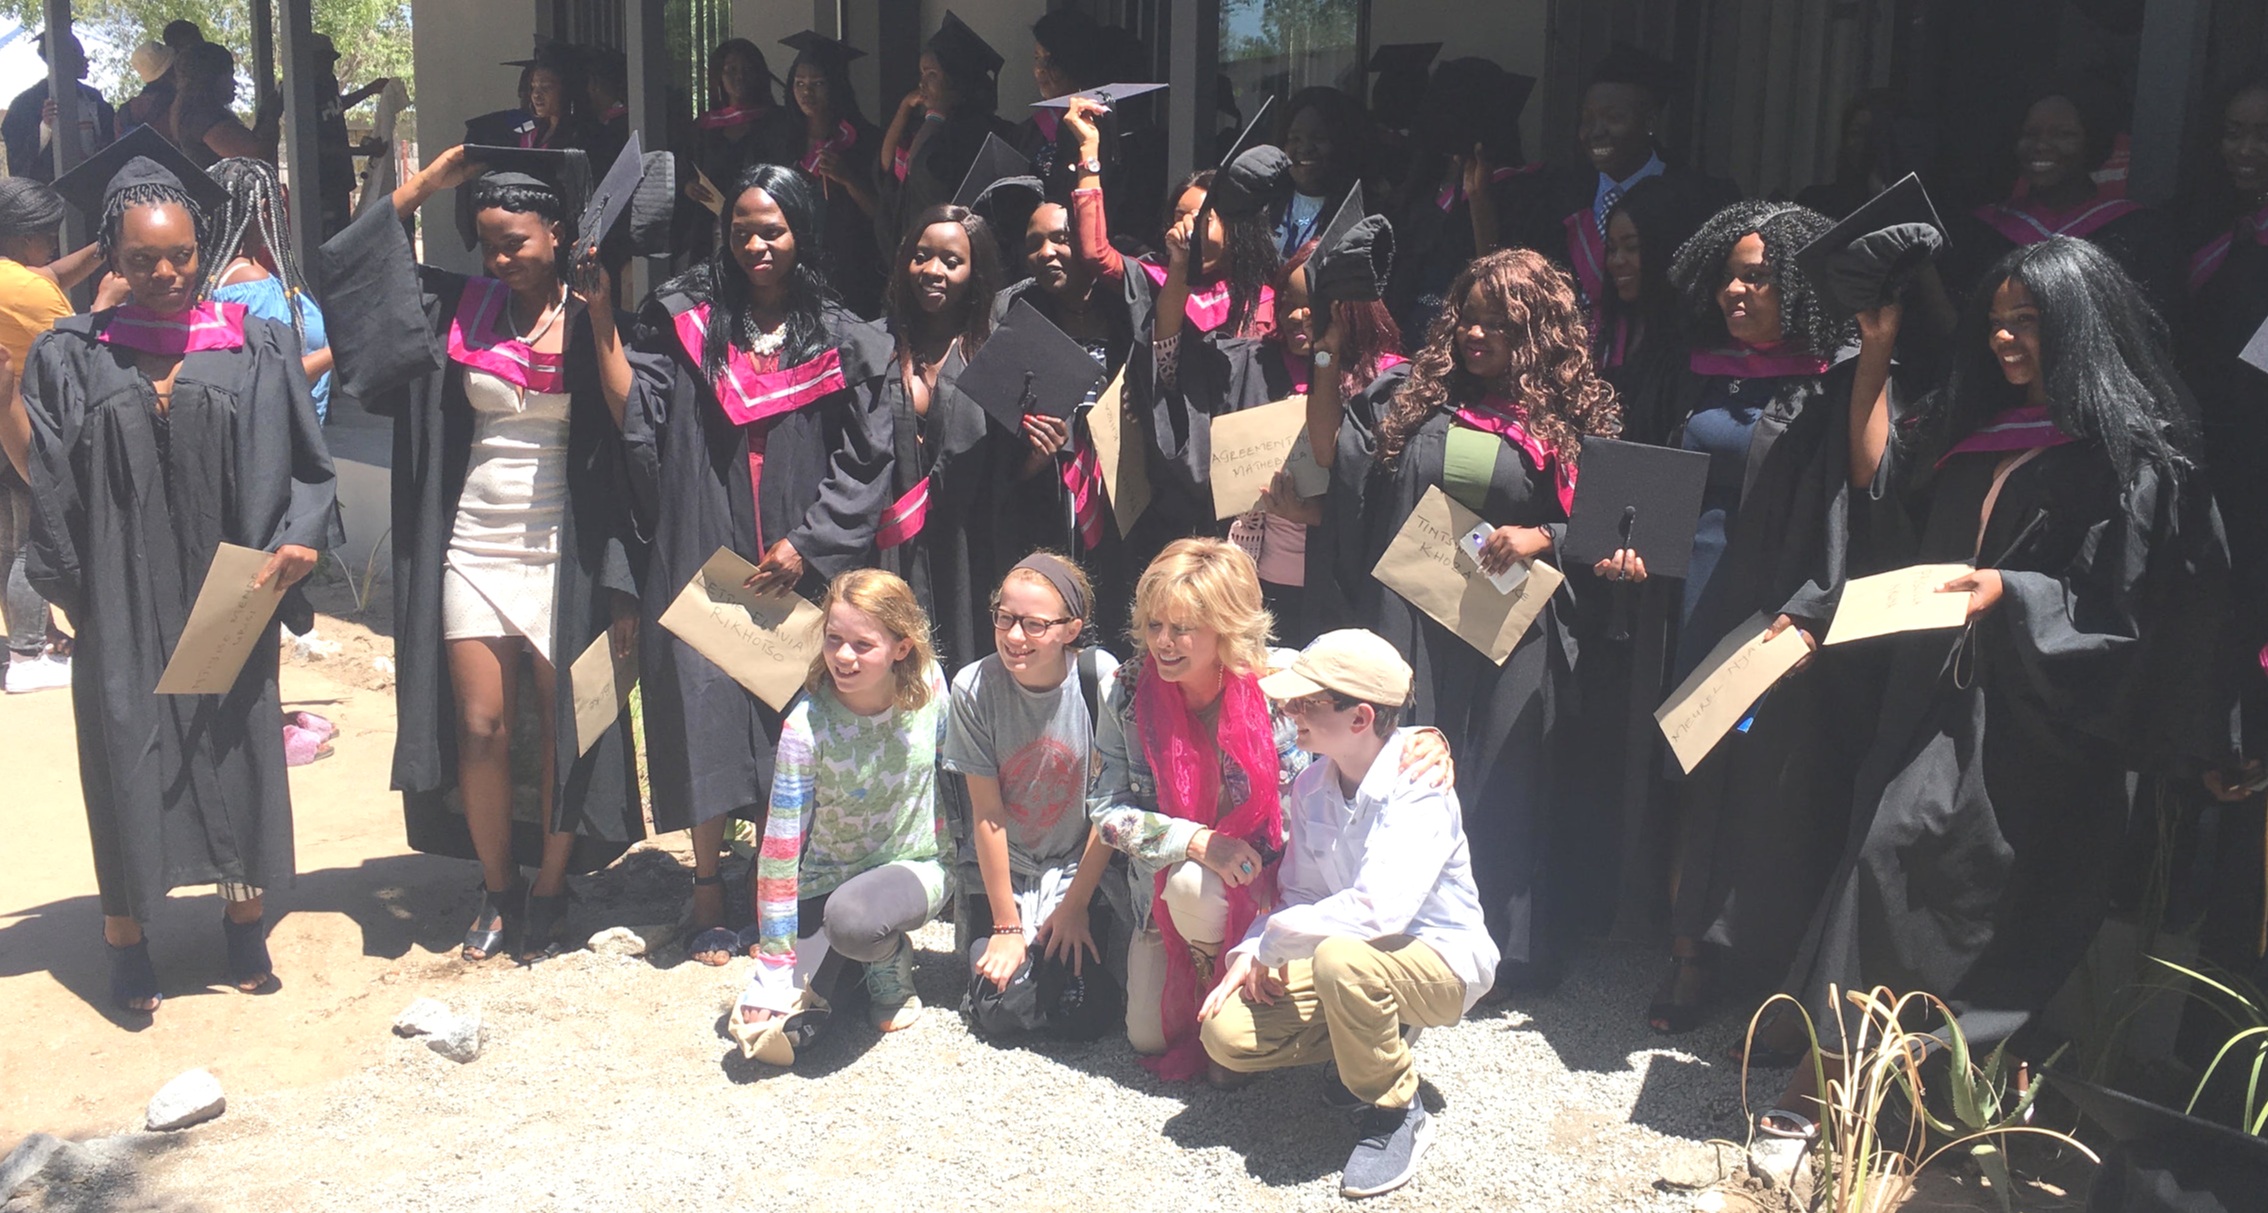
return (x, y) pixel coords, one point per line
(1376, 925)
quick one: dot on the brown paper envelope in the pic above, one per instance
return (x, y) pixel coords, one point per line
(1902, 600)
(1719, 691)
(765, 642)
(600, 685)
(1249, 448)
(704, 191)
(1423, 565)
(1121, 454)
(227, 619)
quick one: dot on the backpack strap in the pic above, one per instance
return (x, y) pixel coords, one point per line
(1090, 678)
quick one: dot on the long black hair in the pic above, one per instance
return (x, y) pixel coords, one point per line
(2103, 361)
(1250, 258)
(724, 284)
(1665, 214)
(842, 98)
(1699, 273)
(975, 321)
(255, 210)
(761, 86)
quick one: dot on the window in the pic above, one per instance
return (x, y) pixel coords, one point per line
(1277, 47)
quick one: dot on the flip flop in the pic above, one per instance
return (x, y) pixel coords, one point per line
(303, 746)
(133, 978)
(315, 724)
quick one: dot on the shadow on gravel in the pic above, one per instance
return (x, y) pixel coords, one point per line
(398, 901)
(1280, 1125)
(104, 1175)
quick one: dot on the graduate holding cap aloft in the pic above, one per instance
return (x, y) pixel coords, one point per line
(161, 429)
(513, 547)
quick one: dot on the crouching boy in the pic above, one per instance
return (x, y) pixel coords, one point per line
(1376, 925)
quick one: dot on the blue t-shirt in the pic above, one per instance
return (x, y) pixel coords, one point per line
(264, 297)
(1721, 429)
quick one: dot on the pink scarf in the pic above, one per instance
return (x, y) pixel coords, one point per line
(1208, 306)
(1188, 774)
(1048, 121)
(2206, 262)
(207, 326)
(845, 136)
(1501, 417)
(2017, 429)
(1744, 361)
(2029, 223)
(477, 340)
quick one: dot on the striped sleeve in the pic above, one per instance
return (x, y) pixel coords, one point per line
(793, 776)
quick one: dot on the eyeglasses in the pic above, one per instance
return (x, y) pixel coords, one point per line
(1032, 625)
(1319, 701)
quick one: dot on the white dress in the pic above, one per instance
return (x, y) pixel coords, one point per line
(502, 570)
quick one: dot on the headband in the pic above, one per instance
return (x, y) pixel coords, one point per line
(1058, 574)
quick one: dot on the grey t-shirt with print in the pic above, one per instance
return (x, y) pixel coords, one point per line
(1039, 746)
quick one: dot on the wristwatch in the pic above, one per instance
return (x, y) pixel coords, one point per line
(1322, 360)
(1091, 165)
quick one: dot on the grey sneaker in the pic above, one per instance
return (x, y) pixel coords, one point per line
(890, 987)
(1386, 1156)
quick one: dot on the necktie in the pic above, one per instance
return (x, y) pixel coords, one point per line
(1606, 205)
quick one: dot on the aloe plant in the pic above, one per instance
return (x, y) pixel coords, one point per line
(2247, 1012)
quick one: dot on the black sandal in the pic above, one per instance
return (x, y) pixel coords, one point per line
(133, 978)
(1668, 1015)
(503, 907)
(702, 941)
(249, 968)
(547, 920)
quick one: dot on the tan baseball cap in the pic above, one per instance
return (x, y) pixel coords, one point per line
(1356, 663)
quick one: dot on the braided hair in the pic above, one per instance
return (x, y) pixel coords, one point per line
(28, 208)
(146, 193)
(1698, 273)
(254, 218)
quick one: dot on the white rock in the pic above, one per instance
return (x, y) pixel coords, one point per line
(424, 1017)
(461, 1041)
(192, 1098)
(618, 941)
(25, 1161)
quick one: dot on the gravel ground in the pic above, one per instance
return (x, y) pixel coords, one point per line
(607, 1083)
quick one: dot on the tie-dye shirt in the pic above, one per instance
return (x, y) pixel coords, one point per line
(850, 793)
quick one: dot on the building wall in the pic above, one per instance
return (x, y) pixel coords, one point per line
(460, 46)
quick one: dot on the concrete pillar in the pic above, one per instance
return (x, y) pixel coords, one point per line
(301, 133)
(2168, 93)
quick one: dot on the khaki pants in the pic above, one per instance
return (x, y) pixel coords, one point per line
(1349, 1004)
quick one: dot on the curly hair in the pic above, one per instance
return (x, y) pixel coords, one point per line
(1698, 273)
(974, 322)
(1551, 375)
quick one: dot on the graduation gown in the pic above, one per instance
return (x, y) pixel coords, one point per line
(1333, 545)
(941, 529)
(1503, 722)
(851, 261)
(1435, 228)
(1567, 231)
(394, 356)
(128, 510)
(933, 172)
(2143, 242)
(1756, 820)
(1045, 510)
(825, 479)
(1989, 807)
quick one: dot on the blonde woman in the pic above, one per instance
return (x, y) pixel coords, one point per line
(853, 856)
(1196, 769)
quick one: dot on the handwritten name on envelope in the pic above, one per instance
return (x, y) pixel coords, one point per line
(225, 622)
(1425, 566)
(1251, 446)
(1121, 452)
(1902, 600)
(600, 685)
(765, 642)
(1721, 689)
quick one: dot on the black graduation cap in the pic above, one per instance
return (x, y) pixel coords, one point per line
(497, 128)
(1353, 257)
(996, 166)
(1028, 366)
(1865, 260)
(960, 49)
(610, 200)
(1626, 64)
(1631, 495)
(566, 170)
(522, 64)
(1108, 94)
(1251, 181)
(829, 53)
(140, 157)
(2130, 1120)
(1404, 58)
